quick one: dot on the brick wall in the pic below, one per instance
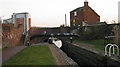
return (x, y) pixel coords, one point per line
(11, 35)
(90, 15)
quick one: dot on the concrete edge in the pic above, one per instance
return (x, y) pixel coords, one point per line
(67, 59)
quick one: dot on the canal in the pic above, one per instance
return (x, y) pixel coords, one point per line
(84, 57)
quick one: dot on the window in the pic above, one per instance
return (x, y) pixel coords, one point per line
(75, 13)
(74, 20)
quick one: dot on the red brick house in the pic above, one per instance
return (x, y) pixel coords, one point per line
(80, 15)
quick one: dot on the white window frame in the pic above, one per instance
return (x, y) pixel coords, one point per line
(75, 13)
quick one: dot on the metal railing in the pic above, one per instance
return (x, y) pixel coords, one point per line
(110, 46)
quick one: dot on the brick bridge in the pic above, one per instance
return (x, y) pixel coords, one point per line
(45, 37)
(36, 34)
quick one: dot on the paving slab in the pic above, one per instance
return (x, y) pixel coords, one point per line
(11, 51)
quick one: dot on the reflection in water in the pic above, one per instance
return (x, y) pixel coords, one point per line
(58, 43)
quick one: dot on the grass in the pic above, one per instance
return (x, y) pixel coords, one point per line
(32, 55)
(3, 48)
(99, 44)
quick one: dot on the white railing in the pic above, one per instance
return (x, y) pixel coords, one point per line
(110, 46)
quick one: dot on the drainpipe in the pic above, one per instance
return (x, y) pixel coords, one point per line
(25, 24)
(25, 29)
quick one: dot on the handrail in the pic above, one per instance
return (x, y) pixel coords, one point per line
(106, 48)
(117, 49)
(111, 46)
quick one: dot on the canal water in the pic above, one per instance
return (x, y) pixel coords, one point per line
(82, 56)
(58, 43)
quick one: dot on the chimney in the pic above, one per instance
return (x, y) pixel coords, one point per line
(86, 3)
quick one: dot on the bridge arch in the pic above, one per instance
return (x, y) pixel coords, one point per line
(44, 38)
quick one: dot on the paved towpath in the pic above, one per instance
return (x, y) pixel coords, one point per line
(41, 44)
(11, 51)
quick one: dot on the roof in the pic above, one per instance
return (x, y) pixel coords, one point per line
(22, 13)
(78, 9)
(94, 11)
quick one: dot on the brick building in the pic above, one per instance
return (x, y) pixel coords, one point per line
(83, 15)
(24, 19)
(20, 18)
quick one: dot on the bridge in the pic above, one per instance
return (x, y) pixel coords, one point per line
(44, 37)
(36, 34)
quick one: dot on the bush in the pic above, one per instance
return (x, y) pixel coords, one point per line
(96, 32)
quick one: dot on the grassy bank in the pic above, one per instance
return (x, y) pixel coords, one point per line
(4, 48)
(99, 44)
(32, 55)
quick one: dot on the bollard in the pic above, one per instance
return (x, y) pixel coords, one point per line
(70, 39)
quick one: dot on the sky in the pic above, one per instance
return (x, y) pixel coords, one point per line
(51, 13)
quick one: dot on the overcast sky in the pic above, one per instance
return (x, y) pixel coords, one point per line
(51, 12)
